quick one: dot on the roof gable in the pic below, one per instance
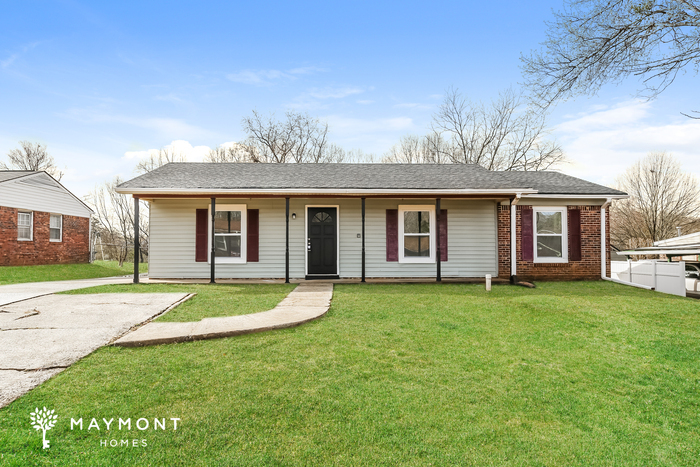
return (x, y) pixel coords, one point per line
(39, 191)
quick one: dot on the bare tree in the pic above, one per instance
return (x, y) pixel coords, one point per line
(299, 138)
(114, 221)
(164, 156)
(662, 198)
(236, 152)
(504, 136)
(414, 149)
(32, 156)
(593, 42)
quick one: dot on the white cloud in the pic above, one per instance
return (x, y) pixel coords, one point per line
(13, 57)
(413, 105)
(316, 97)
(604, 141)
(268, 77)
(169, 98)
(164, 127)
(180, 147)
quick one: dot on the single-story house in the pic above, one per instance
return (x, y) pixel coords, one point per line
(372, 221)
(41, 222)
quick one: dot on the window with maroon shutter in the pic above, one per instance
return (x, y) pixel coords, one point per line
(574, 235)
(253, 235)
(443, 234)
(392, 234)
(201, 230)
(526, 234)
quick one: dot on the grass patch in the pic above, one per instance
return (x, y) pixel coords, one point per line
(211, 301)
(565, 374)
(60, 272)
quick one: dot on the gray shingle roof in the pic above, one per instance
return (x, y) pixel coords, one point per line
(391, 177)
(546, 182)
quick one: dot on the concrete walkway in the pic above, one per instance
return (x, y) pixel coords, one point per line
(16, 292)
(308, 301)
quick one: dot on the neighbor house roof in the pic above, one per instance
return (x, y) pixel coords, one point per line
(184, 177)
(671, 250)
(682, 240)
(6, 175)
(27, 189)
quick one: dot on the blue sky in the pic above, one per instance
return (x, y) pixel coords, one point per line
(102, 83)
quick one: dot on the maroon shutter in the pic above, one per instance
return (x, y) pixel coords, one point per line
(574, 235)
(253, 235)
(392, 234)
(201, 231)
(442, 231)
(526, 233)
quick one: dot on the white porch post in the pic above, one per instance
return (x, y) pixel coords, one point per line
(513, 250)
(603, 242)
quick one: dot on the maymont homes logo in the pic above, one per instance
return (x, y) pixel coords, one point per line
(43, 420)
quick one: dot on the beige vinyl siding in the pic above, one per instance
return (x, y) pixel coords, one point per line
(40, 193)
(471, 235)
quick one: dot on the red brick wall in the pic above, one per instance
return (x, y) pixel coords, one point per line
(75, 247)
(586, 269)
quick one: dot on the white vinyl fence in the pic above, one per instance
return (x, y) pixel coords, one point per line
(659, 275)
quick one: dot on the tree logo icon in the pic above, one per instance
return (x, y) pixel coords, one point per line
(43, 420)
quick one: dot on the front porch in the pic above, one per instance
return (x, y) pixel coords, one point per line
(360, 239)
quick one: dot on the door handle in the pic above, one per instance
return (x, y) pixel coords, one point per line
(308, 244)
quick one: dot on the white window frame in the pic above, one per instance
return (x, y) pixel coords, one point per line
(31, 226)
(60, 227)
(244, 233)
(564, 234)
(433, 226)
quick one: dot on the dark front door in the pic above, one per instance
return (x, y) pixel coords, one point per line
(322, 243)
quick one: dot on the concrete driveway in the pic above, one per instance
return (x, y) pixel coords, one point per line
(42, 336)
(16, 292)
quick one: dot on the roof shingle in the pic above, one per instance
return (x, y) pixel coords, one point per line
(392, 177)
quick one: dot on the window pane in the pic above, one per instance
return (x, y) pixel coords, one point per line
(549, 247)
(416, 222)
(227, 246)
(227, 222)
(24, 219)
(55, 234)
(322, 217)
(55, 221)
(416, 245)
(549, 222)
(24, 233)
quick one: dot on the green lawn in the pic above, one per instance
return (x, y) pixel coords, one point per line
(585, 373)
(60, 272)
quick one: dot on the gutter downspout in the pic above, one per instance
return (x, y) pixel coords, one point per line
(513, 251)
(603, 238)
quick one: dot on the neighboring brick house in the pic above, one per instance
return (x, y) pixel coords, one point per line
(41, 222)
(372, 220)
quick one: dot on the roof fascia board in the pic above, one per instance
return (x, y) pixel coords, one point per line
(591, 196)
(330, 192)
